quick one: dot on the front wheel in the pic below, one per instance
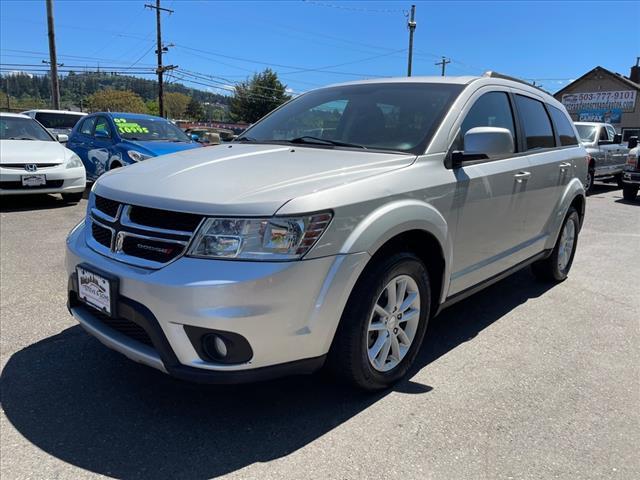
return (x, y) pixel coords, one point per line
(629, 192)
(556, 267)
(383, 324)
(588, 185)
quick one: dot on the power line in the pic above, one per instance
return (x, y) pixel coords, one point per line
(444, 63)
(354, 9)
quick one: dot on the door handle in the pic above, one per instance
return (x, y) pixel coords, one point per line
(521, 176)
(564, 165)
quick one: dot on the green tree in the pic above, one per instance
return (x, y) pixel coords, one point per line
(195, 110)
(256, 97)
(116, 101)
(152, 107)
(175, 104)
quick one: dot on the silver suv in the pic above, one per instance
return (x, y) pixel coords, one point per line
(331, 231)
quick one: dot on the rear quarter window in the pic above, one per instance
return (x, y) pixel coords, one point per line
(563, 127)
(86, 128)
(535, 122)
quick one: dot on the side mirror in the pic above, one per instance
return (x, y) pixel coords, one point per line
(633, 142)
(62, 138)
(482, 142)
(194, 137)
(102, 135)
(617, 138)
(489, 141)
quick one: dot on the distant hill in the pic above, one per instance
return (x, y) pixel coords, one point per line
(75, 87)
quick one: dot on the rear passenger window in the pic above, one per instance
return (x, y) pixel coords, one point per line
(87, 126)
(563, 127)
(490, 110)
(535, 122)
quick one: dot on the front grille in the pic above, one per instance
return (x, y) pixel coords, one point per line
(109, 207)
(152, 217)
(101, 234)
(21, 166)
(122, 325)
(19, 186)
(143, 236)
(153, 250)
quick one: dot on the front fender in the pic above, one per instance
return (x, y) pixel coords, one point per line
(392, 219)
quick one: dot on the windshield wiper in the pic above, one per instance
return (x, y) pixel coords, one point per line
(324, 141)
(21, 138)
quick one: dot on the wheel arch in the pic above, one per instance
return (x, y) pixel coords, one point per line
(407, 225)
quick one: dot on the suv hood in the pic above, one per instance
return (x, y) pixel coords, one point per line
(241, 179)
(157, 148)
(31, 151)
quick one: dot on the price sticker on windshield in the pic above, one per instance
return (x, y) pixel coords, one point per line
(125, 126)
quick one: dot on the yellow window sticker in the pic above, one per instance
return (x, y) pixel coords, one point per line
(129, 127)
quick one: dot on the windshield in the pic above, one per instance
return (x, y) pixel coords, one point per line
(58, 120)
(587, 133)
(151, 128)
(17, 128)
(382, 116)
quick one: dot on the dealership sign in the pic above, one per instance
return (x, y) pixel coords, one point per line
(621, 100)
(613, 115)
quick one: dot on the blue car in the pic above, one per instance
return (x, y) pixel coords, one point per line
(107, 140)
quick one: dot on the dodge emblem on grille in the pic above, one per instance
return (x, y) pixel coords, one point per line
(31, 167)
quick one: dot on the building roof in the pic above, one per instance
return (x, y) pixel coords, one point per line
(617, 76)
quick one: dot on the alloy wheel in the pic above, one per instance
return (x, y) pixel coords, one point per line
(393, 323)
(567, 242)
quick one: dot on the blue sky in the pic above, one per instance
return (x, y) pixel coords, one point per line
(314, 43)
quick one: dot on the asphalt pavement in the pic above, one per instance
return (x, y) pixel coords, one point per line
(522, 381)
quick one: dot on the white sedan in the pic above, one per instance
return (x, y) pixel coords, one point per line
(33, 161)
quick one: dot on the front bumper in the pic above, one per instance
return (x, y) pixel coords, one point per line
(66, 180)
(287, 311)
(632, 177)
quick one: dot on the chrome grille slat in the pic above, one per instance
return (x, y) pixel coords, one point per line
(137, 243)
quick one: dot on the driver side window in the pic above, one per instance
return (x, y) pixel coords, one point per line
(492, 109)
(102, 125)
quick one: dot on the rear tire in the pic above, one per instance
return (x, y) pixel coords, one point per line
(72, 197)
(629, 192)
(379, 337)
(556, 267)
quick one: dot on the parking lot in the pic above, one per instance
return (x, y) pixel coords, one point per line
(521, 381)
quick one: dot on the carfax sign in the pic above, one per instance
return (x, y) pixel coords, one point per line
(624, 100)
(613, 115)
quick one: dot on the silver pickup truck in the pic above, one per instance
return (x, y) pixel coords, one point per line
(604, 146)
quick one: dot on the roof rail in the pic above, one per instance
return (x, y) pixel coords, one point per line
(491, 74)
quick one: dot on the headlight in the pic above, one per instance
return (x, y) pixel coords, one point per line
(74, 161)
(137, 156)
(277, 238)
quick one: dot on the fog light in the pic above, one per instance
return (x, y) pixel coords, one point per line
(214, 346)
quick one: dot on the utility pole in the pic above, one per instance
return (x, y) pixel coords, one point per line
(443, 62)
(412, 27)
(160, 50)
(55, 88)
